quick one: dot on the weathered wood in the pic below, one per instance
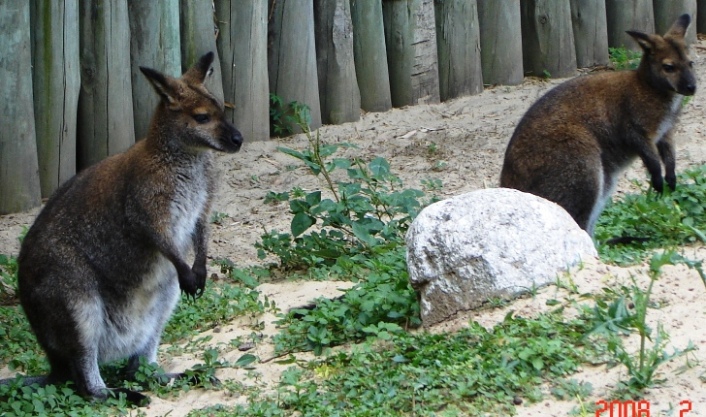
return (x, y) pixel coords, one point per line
(700, 16)
(667, 11)
(338, 87)
(56, 84)
(458, 43)
(547, 38)
(410, 36)
(242, 45)
(198, 36)
(292, 57)
(590, 32)
(500, 41)
(19, 170)
(154, 43)
(625, 15)
(370, 55)
(105, 118)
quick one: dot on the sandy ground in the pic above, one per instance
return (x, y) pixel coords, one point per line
(461, 143)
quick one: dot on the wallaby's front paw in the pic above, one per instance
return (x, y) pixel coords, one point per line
(200, 273)
(658, 184)
(671, 181)
(188, 283)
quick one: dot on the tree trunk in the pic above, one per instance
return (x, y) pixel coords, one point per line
(105, 118)
(292, 56)
(56, 84)
(547, 38)
(625, 15)
(500, 41)
(410, 36)
(242, 45)
(458, 42)
(154, 43)
(590, 32)
(338, 87)
(700, 16)
(667, 11)
(370, 55)
(19, 171)
(198, 36)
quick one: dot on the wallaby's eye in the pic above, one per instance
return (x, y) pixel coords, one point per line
(201, 118)
(668, 67)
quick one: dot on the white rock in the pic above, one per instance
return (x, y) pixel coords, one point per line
(486, 244)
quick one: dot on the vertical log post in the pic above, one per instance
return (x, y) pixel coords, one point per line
(370, 55)
(105, 118)
(19, 171)
(410, 37)
(242, 45)
(458, 43)
(500, 41)
(56, 84)
(590, 32)
(667, 11)
(198, 36)
(154, 43)
(338, 87)
(547, 38)
(292, 56)
(700, 16)
(625, 15)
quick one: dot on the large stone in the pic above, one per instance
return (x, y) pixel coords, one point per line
(489, 244)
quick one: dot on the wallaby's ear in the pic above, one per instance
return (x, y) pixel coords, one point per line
(679, 27)
(201, 69)
(162, 86)
(642, 39)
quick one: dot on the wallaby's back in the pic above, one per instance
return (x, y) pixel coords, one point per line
(101, 268)
(573, 142)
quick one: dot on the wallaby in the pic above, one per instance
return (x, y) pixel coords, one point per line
(572, 144)
(101, 268)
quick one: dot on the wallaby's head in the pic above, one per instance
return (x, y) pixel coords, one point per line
(665, 61)
(190, 112)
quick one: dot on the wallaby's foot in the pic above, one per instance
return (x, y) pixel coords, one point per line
(132, 397)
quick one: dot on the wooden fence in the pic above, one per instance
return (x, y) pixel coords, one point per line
(71, 92)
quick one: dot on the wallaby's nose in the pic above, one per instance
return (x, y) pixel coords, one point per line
(236, 139)
(690, 89)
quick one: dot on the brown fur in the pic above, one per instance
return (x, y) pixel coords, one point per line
(573, 142)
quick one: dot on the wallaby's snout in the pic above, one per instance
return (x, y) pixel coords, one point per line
(233, 141)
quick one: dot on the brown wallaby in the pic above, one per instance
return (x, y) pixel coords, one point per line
(101, 269)
(573, 142)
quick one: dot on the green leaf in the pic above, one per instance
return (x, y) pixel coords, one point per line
(363, 233)
(245, 360)
(300, 223)
(379, 167)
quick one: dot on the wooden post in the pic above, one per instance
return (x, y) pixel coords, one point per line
(667, 11)
(292, 55)
(198, 36)
(242, 45)
(700, 16)
(500, 41)
(458, 42)
(410, 36)
(154, 43)
(625, 15)
(547, 38)
(370, 55)
(338, 87)
(105, 118)
(56, 84)
(590, 32)
(19, 171)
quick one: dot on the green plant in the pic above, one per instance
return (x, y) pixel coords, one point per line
(364, 215)
(377, 306)
(623, 59)
(284, 117)
(217, 217)
(8, 279)
(657, 221)
(625, 313)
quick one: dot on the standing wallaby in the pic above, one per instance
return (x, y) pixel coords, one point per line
(573, 142)
(101, 269)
